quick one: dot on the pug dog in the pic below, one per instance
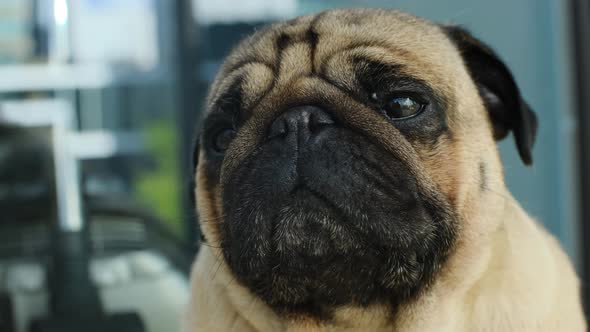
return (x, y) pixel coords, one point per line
(348, 180)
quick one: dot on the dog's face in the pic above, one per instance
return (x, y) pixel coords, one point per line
(343, 155)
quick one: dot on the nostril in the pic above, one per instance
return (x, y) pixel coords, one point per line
(278, 128)
(318, 120)
(300, 121)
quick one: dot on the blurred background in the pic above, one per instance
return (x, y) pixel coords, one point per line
(99, 102)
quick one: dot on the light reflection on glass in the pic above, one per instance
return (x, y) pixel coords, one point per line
(60, 11)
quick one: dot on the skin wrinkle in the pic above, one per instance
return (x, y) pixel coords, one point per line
(361, 47)
(482, 176)
(313, 39)
(240, 65)
(321, 74)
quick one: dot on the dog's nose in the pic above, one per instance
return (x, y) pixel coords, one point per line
(301, 121)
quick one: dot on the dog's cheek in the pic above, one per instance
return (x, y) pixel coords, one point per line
(441, 161)
(209, 207)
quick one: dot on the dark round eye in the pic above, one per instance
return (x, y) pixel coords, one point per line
(223, 138)
(402, 107)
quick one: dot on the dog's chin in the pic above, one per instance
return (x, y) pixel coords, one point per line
(343, 228)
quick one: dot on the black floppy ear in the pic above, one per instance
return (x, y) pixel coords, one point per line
(507, 110)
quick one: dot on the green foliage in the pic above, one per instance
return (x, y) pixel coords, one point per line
(158, 188)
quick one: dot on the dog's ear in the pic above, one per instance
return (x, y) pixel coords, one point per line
(192, 182)
(506, 108)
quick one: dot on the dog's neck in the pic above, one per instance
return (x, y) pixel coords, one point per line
(221, 304)
(224, 305)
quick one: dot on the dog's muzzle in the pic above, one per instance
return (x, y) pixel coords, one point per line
(320, 213)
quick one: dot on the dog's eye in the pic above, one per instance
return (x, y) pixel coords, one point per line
(223, 138)
(399, 107)
(402, 107)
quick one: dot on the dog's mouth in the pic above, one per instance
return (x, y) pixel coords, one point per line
(311, 229)
(335, 222)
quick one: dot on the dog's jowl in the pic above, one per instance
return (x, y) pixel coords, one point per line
(348, 180)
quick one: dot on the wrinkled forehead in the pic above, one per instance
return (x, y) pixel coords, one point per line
(326, 42)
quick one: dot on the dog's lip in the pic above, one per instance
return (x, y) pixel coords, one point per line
(301, 187)
(332, 211)
(303, 191)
